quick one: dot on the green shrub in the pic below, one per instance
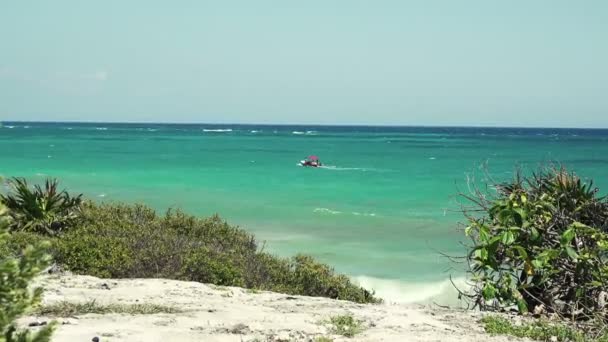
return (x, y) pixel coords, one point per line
(15, 243)
(86, 251)
(132, 241)
(15, 296)
(45, 210)
(205, 266)
(541, 245)
(311, 278)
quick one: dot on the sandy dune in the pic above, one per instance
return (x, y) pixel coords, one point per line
(213, 313)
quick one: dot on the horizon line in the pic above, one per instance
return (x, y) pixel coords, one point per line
(296, 124)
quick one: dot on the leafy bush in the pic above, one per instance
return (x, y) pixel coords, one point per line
(132, 241)
(41, 210)
(15, 297)
(541, 245)
(15, 243)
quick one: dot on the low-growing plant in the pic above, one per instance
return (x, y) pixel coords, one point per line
(540, 330)
(345, 325)
(323, 339)
(68, 309)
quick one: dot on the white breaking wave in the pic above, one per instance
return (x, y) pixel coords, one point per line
(336, 168)
(327, 211)
(220, 130)
(337, 212)
(364, 214)
(440, 292)
(298, 132)
(101, 128)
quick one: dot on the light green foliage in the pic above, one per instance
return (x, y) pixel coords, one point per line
(542, 246)
(538, 330)
(345, 325)
(41, 210)
(15, 297)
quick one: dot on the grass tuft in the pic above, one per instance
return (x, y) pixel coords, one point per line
(323, 339)
(345, 325)
(67, 309)
(538, 330)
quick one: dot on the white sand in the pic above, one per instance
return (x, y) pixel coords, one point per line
(234, 314)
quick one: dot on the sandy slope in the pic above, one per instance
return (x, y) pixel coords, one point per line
(235, 314)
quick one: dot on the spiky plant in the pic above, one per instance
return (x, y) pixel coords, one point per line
(43, 210)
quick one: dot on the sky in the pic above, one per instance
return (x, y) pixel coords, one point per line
(384, 62)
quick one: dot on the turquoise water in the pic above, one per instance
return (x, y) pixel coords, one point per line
(379, 211)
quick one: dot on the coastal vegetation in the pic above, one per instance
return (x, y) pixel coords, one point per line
(540, 246)
(133, 241)
(45, 211)
(16, 298)
(539, 330)
(68, 309)
(345, 325)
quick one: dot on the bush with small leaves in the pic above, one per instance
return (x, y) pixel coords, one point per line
(132, 241)
(15, 296)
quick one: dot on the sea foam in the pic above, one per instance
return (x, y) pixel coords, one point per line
(327, 211)
(394, 291)
(219, 130)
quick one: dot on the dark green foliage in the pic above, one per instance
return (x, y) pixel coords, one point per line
(541, 245)
(45, 210)
(15, 296)
(132, 241)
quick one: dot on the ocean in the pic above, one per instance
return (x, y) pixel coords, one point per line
(382, 209)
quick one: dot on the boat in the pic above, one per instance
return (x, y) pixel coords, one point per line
(311, 161)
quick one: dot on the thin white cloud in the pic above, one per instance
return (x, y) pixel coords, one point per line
(58, 76)
(100, 76)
